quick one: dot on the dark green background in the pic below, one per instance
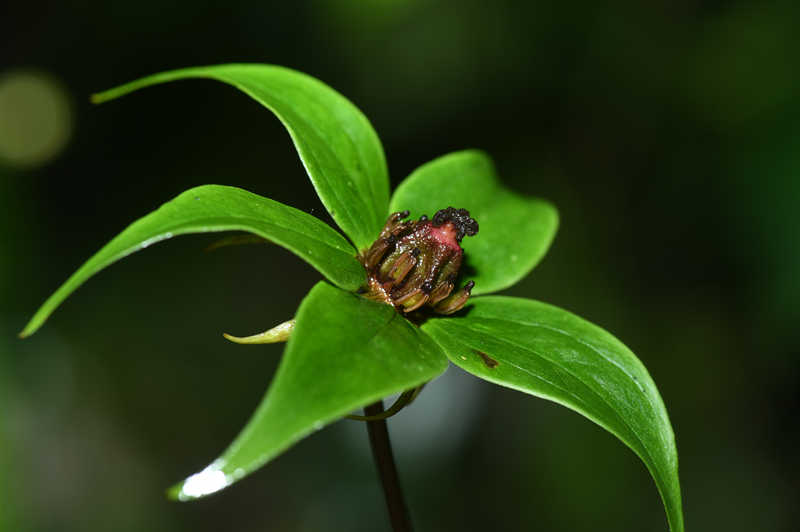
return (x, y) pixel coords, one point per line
(667, 133)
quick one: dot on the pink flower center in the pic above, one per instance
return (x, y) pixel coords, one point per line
(446, 235)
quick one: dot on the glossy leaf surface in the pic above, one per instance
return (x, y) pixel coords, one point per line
(550, 353)
(345, 352)
(339, 148)
(515, 231)
(213, 208)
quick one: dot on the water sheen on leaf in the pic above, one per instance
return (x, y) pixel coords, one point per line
(515, 231)
(550, 353)
(345, 352)
(338, 146)
(213, 208)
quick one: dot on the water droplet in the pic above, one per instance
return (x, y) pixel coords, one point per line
(203, 483)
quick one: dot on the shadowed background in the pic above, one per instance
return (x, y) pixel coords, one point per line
(667, 133)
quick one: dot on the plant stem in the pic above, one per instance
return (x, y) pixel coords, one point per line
(384, 459)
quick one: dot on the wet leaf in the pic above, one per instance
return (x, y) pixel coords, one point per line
(345, 352)
(550, 353)
(213, 208)
(338, 146)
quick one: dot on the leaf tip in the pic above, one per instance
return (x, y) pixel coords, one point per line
(173, 493)
(106, 95)
(235, 339)
(29, 329)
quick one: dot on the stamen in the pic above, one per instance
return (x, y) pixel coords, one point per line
(415, 303)
(404, 264)
(376, 253)
(455, 302)
(440, 292)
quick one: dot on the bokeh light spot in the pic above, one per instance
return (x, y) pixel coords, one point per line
(35, 118)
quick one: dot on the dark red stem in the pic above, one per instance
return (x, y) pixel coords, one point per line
(384, 459)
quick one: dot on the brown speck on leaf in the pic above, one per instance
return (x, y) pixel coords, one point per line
(489, 361)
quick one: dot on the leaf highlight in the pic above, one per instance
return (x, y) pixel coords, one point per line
(548, 352)
(339, 149)
(214, 208)
(345, 352)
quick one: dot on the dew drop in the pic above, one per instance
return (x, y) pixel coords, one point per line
(203, 483)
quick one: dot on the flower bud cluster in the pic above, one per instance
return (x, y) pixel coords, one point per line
(415, 263)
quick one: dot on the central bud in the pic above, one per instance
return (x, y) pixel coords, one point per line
(416, 262)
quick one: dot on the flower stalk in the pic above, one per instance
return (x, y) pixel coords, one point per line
(381, 448)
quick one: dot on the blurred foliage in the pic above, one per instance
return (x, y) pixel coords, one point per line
(665, 132)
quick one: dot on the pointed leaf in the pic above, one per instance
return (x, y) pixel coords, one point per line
(213, 208)
(344, 353)
(515, 231)
(339, 149)
(547, 352)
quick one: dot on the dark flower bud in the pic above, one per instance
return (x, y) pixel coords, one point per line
(416, 263)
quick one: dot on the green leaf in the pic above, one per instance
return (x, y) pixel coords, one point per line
(213, 208)
(515, 231)
(339, 149)
(345, 352)
(550, 353)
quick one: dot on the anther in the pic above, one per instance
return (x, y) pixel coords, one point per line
(440, 292)
(415, 302)
(401, 268)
